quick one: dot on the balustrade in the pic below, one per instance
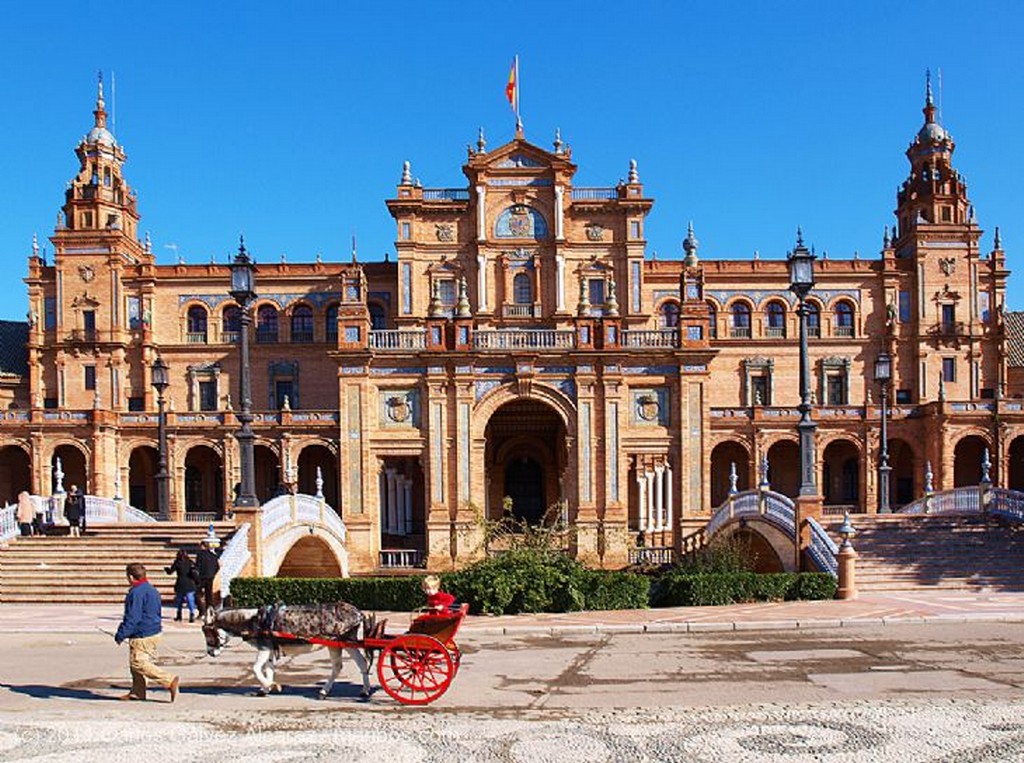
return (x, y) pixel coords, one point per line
(661, 338)
(524, 339)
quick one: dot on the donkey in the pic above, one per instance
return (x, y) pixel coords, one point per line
(245, 624)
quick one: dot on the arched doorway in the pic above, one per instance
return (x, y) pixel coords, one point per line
(311, 458)
(72, 463)
(840, 475)
(901, 478)
(143, 464)
(15, 473)
(723, 456)
(967, 458)
(784, 468)
(267, 472)
(1015, 465)
(310, 557)
(204, 480)
(525, 459)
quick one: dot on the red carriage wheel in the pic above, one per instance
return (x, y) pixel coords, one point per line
(456, 654)
(415, 669)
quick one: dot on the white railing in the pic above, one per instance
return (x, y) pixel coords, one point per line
(524, 339)
(594, 194)
(768, 505)
(398, 339)
(661, 338)
(233, 558)
(517, 311)
(99, 509)
(398, 558)
(823, 549)
(1008, 504)
(300, 509)
(652, 555)
(446, 194)
(8, 522)
(201, 516)
(961, 500)
(274, 515)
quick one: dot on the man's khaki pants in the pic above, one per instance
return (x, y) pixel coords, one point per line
(141, 656)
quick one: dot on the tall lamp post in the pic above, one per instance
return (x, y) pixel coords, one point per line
(243, 283)
(161, 381)
(801, 281)
(883, 375)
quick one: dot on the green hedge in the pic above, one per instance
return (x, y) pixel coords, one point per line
(681, 588)
(528, 580)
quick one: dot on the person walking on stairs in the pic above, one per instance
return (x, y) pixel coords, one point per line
(208, 565)
(186, 577)
(141, 627)
(26, 514)
(73, 510)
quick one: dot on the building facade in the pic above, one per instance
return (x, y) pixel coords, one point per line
(522, 353)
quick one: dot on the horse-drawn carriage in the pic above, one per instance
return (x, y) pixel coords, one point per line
(415, 667)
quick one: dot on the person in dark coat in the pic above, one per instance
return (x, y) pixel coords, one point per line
(207, 566)
(140, 627)
(73, 510)
(185, 579)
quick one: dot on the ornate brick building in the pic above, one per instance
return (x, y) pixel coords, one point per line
(521, 345)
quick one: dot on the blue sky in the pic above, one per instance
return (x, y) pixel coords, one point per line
(290, 121)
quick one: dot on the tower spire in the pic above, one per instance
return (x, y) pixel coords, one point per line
(929, 102)
(101, 111)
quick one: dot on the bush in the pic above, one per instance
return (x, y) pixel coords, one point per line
(682, 588)
(390, 593)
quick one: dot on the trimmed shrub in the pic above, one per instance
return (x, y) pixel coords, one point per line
(682, 588)
(390, 593)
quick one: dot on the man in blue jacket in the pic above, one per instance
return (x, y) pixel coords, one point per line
(141, 627)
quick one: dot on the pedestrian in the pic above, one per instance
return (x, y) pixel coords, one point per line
(437, 600)
(186, 576)
(208, 566)
(26, 513)
(141, 628)
(73, 511)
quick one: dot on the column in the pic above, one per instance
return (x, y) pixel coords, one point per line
(641, 482)
(392, 524)
(659, 497)
(668, 496)
(481, 282)
(407, 503)
(481, 213)
(649, 476)
(559, 226)
(559, 282)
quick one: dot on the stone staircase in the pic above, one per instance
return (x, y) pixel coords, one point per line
(956, 552)
(90, 569)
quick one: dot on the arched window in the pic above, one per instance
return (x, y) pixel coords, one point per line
(331, 323)
(741, 320)
(302, 324)
(712, 321)
(266, 325)
(668, 315)
(378, 317)
(522, 292)
(196, 325)
(844, 319)
(775, 315)
(813, 318)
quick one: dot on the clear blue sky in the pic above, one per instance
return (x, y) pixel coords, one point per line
(290, 121)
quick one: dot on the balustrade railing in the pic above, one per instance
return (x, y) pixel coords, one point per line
(8, 522)
(445, 194)
(195, 337)
(401, 558)
(594, 194)
(201, 516)
(524, 339)
(396, 339)
(660, 338)
(1008, 504)
(650, 555)
(843, 331)
(961, 500)
(740, 332)
(99, 509)
(517, 311)
(233, 558)
(230, 337)
(822, 549)
(767, 504)
(775, 332)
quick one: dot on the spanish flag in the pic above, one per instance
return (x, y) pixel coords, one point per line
(512, 88)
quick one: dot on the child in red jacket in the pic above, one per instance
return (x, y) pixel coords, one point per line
(437, 599)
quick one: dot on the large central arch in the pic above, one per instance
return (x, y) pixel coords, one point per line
(525, 459)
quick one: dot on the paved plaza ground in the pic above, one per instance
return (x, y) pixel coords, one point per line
(935, 677)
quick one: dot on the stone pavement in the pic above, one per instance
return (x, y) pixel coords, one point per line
(913, 607)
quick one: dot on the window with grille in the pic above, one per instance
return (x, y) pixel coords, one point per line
(522, 290)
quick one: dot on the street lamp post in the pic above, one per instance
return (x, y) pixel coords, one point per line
(883, 375)
(243, 271)
(161, 381)
(801, 281)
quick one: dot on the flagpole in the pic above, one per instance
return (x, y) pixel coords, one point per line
(519, 121)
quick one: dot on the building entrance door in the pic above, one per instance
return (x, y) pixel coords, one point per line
(524, 484)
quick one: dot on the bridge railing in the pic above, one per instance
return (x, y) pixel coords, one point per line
(233, 559)
(1006, 503)
(961, 500)
(100, 509)
(822, 549)
(300, 508)
(772, 507)
(8, 522)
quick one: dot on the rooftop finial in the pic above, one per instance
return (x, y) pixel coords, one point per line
(101, 110)
(406, 173)
(241, 245)
(558, 141)
(481, 144)
(690, 244)
(354, 258)
(148, 244)
(35, 243)
(886, 241)
(799, 236)
(634, 176)
(996, 244)
(928, 87)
